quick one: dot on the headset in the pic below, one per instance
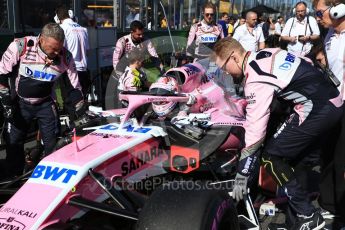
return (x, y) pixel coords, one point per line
(337, 11)
(70, 15)
(307, 11)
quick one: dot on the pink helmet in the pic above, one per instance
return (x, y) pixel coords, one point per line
(189, 76)
(163, 86)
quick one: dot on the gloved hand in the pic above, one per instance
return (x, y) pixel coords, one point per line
(137, 82)
(240, 187)
(80, 108)
(6, 102)
(191, 100)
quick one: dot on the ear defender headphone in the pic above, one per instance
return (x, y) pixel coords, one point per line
(56, 19)
(337, 11)
(306, 8)
(70, 14)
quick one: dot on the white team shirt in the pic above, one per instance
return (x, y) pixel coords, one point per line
(278, 28)
(335, 49)
(300, 28)
(77, 42)
(249, 41)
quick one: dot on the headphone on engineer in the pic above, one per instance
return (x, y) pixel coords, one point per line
(337, 11)
(307, 11)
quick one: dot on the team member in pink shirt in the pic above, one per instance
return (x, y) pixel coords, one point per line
(127, 43)
(40, 61)
(316, 106)
(204, 35)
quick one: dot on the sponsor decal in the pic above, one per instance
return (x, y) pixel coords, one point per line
(206, 107)
(54, 174)
(157, 99)
(30, 56)
(75, 25)
(106, 135)
(263, 54)
(250, 98)
(230, 123)
(191, 69)
(280, 130)
(247, 165)
(140, 159)
(30, 59)
(11, 224)
(208, 38)
(18, 212)
(128, 128)
(290, 58)
(36, 74)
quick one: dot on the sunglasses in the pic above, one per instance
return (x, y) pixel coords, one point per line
(320, 13)
(226, 62)
(208, 15)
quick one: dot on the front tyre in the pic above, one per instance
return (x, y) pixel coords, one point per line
(181, 206)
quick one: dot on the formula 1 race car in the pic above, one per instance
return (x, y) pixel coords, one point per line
(140, 173)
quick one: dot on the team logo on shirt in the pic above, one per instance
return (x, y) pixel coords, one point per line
(290, 58)
(39, 74)
(208, 38)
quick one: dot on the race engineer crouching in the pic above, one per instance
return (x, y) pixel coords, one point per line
(316, 107)
(40, 62)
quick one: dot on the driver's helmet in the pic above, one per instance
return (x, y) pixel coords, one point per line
(164, 86)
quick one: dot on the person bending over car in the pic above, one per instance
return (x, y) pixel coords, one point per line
(316, 106)
(40, 62)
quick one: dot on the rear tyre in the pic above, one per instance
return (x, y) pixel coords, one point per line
(189, 206)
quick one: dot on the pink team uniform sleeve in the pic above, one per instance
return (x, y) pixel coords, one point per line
(10, 58)
(118, 51)
(259, 97)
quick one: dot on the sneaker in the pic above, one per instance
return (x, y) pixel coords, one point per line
(326, 214)
(312, 222)
(276, 226)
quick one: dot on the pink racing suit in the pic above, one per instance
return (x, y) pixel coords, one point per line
(35, 79)
(34, 88)
(276, 72)
(316, 106)
(205, 37)
(124, 45)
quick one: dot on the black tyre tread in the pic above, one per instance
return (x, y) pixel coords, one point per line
(186, 209)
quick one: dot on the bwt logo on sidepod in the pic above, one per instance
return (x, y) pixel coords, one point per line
(39, 74)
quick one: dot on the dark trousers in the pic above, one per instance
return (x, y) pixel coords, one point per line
(16, 130)
(332, 185)
(294, 143)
